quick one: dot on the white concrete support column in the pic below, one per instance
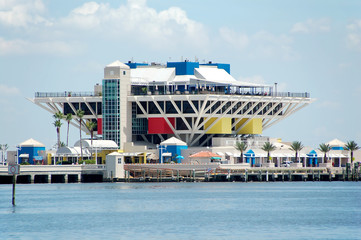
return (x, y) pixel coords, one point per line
(79, 178)
(66, 178)
(32, 178)
(266, 176)
(49, 178)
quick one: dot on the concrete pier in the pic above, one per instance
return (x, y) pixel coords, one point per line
(177, 173)
(55, 174)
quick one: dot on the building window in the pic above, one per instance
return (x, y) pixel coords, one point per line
(123, 72)
(119, 160)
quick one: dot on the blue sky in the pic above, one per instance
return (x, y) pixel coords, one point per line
(312, 46)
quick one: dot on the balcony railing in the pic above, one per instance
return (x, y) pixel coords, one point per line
(65, 94)
(92, 94)
(272, 94)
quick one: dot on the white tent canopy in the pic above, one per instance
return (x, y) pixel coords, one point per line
(31, 143)
(72, 152)
(336, 143)
(99, 144)
(173, 141)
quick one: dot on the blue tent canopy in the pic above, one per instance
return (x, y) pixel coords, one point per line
(249, 153)
(313, 153)
(250, 157)
(312, 157)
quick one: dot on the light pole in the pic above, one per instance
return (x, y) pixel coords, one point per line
(18, 148)
(276, 88)
(161, 148)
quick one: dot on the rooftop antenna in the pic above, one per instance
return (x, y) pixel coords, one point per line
(195, 59)
(182, 59)
(132, 59)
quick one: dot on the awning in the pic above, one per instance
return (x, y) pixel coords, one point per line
(218, 158)
(229, 154)
(167, 154)
(237, 155)
(130, 154)
(24, 155)
(220, 153)
(336, 155)
(38, 158)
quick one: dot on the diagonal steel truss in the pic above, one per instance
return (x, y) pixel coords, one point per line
(270, 109)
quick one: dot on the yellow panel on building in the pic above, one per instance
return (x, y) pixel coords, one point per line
(223, 125)
(254, 126)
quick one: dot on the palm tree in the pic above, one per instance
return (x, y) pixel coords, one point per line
(268, 147)
(68, 118)
(91, 126)
(58, 117)
(296, 146)
(58, 124)
(352, 146)
(241, 146)
(80, 115)
(325, 148)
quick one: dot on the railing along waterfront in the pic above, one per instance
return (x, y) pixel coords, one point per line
(65, 94)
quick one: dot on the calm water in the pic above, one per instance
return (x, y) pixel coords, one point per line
(292, 210)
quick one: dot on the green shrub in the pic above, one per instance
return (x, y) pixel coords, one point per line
(87, 161)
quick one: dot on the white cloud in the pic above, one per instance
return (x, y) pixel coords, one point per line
(22, 47)
(21, 13)
(321, 131)
(261, 44)
(353, 38)
(328, 104)
(6, 90)
(253, 79)
(137, 21)
(312, 26)
(354, 26)
(270, 45)
(87, 8)
(134, 21)
(237, 40)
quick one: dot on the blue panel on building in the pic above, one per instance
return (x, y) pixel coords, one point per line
(183, 68)
(337, 148)
(225, 66)
(35, 154)
(135, 65)
(174, 150)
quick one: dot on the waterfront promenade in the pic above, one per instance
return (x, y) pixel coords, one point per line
(177, 172)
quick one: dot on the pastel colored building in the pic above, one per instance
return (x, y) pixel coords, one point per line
(193, 102)
(32, 152)
(204, 157)
(170, 150)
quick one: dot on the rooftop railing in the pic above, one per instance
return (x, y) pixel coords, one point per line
(271, 94)
(65, 94)
(92, 94)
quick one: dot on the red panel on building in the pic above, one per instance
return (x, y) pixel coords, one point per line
(160, 125)
(100, 126)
